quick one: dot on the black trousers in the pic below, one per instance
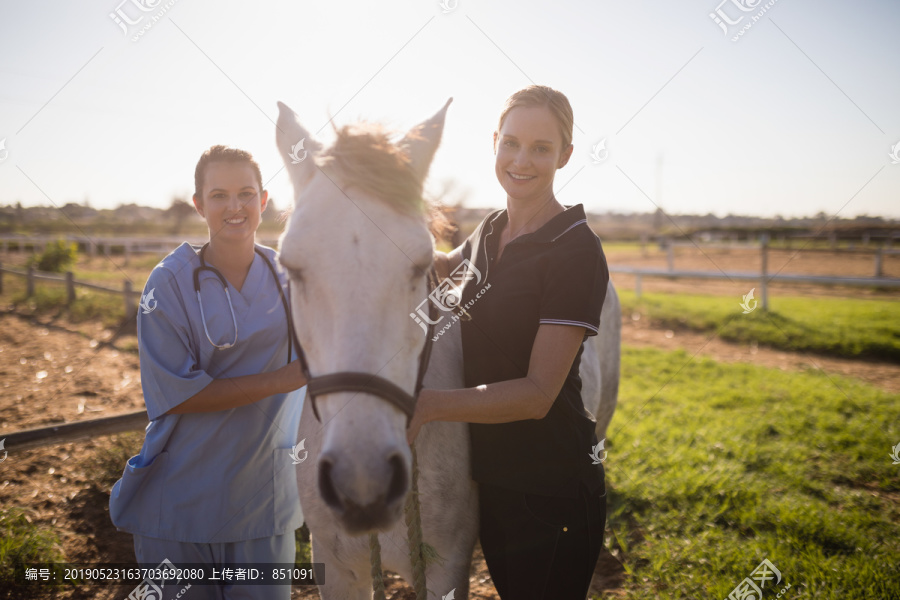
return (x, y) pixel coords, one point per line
(541, 547)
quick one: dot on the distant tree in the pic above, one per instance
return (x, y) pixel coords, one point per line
(179, 211)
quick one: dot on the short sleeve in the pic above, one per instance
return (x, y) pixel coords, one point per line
(170, 369)
(574, 285)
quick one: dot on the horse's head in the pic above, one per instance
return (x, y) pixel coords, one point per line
(357, 249)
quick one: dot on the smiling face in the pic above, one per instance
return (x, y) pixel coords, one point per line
(529, 149)
(232, 203)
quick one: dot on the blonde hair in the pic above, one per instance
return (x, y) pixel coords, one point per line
(541, 95)
(363, 156)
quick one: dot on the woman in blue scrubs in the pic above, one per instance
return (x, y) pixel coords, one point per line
(214, 482)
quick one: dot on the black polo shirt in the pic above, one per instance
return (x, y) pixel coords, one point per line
(556, 275)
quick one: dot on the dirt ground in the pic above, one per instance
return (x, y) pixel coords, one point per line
(53, 371)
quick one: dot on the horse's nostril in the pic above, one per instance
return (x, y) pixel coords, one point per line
(326, 485)
(399, 482)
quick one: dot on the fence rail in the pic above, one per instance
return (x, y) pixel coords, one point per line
(78, 430)
(129, 295)
(763, 278)
(763, 247)
(105, 245)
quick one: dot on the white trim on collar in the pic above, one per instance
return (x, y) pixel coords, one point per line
(572, 226)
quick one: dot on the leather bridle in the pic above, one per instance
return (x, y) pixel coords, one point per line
(369, 383)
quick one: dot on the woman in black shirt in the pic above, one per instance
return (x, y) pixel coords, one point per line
(537, 280)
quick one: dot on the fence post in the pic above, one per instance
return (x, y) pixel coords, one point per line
(670, 255)
(29, 283)
(637, 286)
(878, 263)
(764, 255)
(130, 307)
(70, 287)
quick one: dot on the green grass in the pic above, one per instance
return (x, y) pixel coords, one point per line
(852, 328)
(51, 299)
(714, 467)
(23, 544)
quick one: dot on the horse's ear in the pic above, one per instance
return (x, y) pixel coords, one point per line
(297, 147)
(421, 141)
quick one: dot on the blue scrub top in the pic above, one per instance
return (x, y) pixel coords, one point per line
(223, 476)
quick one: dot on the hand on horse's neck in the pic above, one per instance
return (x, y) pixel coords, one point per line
(233, 261)
(525, 218)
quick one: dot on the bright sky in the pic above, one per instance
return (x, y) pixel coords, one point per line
(797, 116)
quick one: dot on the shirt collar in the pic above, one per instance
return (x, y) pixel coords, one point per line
(550, 231)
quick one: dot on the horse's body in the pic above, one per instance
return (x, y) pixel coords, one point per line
(351, 310)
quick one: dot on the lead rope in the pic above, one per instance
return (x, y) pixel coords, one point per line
(377, 576)
(414, 532)
(414, 539)
(411, 510)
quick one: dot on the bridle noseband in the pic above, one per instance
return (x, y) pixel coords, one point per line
(369, 383)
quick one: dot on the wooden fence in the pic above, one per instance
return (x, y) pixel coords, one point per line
(878, 254)
(107, 246)
(137, 420)
(78, 430)
(130, 297)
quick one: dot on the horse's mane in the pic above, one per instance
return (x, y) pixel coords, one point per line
(364, 156)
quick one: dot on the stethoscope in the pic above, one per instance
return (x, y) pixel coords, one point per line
(204, 267)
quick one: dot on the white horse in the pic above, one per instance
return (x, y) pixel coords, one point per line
(357, 247)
